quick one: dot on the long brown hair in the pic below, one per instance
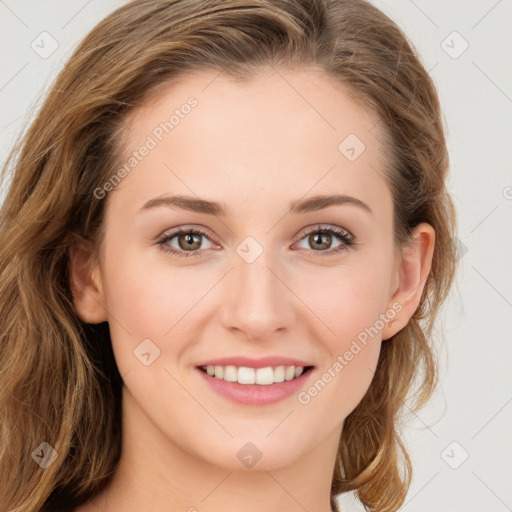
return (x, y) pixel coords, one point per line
(58, 379)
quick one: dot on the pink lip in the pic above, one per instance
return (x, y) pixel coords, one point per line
(255, 363)
(255, 394)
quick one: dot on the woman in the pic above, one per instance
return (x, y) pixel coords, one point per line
(294, 152)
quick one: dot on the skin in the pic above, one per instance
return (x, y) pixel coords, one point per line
(254, 147)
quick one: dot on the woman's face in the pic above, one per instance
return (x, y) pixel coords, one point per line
(259, 284)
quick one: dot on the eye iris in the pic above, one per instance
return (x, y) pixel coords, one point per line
(189, 241)
(323, 237)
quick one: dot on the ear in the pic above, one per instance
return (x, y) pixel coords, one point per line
(410, 276)
(85, 284)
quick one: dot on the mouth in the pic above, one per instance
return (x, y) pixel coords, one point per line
(246, 375)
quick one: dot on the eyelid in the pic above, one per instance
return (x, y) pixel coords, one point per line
(346, 238)
(325, 227)
(172, 232)
(169, 234)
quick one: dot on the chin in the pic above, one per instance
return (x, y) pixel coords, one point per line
(251, 453)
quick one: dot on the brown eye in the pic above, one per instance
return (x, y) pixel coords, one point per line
(320, 240)
(184, 242)
(189, 241)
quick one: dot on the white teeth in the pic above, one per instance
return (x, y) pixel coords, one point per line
(230, 373)
(289, 373)
(279, 374)
(219, 372)
(265, 376)
(262, 376)
(246, 375)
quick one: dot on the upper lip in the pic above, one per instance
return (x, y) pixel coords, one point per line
(255, 363)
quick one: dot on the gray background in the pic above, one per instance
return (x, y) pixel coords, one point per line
(461, 443)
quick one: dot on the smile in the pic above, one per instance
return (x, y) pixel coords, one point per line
(260, 376)
(249, 386)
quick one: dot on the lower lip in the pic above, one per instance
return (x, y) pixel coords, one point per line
(255, 394)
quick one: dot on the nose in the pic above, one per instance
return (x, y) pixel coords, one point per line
(259, 301)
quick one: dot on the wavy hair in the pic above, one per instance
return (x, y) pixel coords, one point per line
(59, 382)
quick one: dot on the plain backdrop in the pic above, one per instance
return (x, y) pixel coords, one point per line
(461, 443)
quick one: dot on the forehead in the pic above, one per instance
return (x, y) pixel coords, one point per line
(282, 133)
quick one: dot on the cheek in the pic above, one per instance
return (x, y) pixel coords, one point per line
(351, 307)
(346, 300)
(341, 385)
(147, 299)
(352, 344)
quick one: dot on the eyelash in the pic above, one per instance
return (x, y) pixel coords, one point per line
(345, 237)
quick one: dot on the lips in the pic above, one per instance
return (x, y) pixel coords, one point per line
(248, 362)
(260, 381)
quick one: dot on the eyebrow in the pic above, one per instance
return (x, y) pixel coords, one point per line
(195, 204)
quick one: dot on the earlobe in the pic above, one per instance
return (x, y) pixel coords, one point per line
(85, 284)
(411, 275)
